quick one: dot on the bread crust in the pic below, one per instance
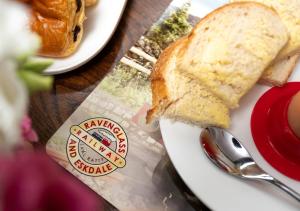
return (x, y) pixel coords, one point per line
(160, 95)
(270, 78)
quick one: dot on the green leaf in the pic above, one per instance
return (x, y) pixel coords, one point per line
(36, 65)
(22, 58)
(35, 81)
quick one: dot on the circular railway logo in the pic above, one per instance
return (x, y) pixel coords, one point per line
(97, 147)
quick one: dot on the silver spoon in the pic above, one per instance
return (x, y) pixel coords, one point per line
(226, 152)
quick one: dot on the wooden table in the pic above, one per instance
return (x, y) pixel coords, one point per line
(49, 110)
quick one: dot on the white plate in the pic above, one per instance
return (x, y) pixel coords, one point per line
(216, 189)
(102, 20)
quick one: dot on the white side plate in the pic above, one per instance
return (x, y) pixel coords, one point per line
(102, 20)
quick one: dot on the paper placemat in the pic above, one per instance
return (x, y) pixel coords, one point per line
(106, 142)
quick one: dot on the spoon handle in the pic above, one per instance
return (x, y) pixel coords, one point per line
(285, 188)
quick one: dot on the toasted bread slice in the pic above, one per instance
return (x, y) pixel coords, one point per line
(229, 49)
(179, 97)
(279, 73)
(289, 12)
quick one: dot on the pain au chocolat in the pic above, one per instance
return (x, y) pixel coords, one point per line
(59, 23)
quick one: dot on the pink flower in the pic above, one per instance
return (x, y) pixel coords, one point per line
(28, 134)
(31, 181)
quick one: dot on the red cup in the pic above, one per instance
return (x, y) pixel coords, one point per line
(271, 131)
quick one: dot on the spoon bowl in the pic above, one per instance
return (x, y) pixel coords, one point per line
(227, 153)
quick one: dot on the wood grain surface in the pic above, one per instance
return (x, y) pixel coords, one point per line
(49, 110)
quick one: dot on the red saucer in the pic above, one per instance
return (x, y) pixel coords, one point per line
(271, 133)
